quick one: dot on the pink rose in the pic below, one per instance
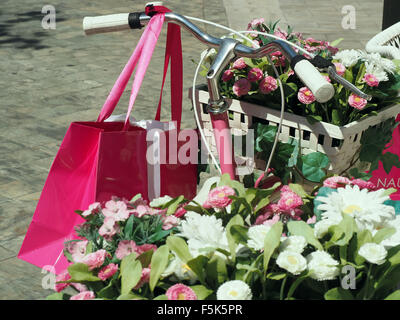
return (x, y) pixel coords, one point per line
(94, 208)
(281, 34)
(227, 75)
(85, 295)
(170, 222)
(96, 259)
(305, 96)
(268, 84)
(218, 197)
(363, 184)
(336, 182)
(180, 212)
(108, 271)
(340, 68)
(289, 201)
(62, 277)
(125, 248)
(180, 292)
(145, 278)
(255, 74)
(144, 248)
(77, 249)
(109, 228)
(371, 80)
(239, 64)
(256, 22)
(241, 87)
(357, 102)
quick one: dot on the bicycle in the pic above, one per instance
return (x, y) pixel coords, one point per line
(308, 71)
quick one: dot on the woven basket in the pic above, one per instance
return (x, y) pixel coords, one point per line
(387, 42)
(340, 144)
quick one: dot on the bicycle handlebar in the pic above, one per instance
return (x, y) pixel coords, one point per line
(308, 74)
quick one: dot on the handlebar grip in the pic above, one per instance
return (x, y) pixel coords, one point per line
(310, 76)
(111, 23)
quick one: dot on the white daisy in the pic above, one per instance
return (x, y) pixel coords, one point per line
(205, 234)
(367, 208)
(373, 253)
(293, 262)
(180, 270)
(322, 266)
(293, 244)
(234, 290)
(256, 236)
(348, 57)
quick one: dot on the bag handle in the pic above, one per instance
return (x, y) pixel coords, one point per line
(143, 48)
(173, 53)
(143, 53)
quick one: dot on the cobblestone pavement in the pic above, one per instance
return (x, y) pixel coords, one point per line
(50, 78)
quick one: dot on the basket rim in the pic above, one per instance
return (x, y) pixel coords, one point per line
(334, 131)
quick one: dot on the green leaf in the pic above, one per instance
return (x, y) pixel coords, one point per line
(338, 294)
(236, 220)
(80, 272)
(394, 296)
(390, 160)
(383, 234)
(131, 272)
(56, 296)
(159, 262)
(239, 233)
(161, 297)
(197, 265)
(312, 165)
(180, 247)
(174, 205)
(336, 42)
(271, 242)
(300, 228)
(201, 292)
(131, 296)
(357, 174)
(276, 276)
(296, 283)
(145, 258)
(136, 197)
(109, 291)
(298, 189)
(313, 118)
(217, 272)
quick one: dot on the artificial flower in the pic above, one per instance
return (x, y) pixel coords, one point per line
(373, 253)
(84, 295)
(180, 292)
(305, 95)
(108, 271)
(293, 244)
(257, 236)
(234, 290)
(268, 84)
(219, 197)
(357, 102)
(241, 87)
(291, 261)
(322, 266)
(95, 259)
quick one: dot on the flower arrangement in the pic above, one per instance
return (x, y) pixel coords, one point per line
(254, 80)
(237, 243)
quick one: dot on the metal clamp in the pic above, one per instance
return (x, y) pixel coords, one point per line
(216, 103)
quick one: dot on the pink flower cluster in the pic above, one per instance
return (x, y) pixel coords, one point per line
(219, 197)
(312, 45)
(268, 84)
(241, 87)
(126, 247)
(357, 102)
(371, 80)
(339, 181)
(289, 204)
(180, 292)
(305, 95)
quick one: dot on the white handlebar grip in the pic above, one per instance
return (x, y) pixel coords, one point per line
(310, 76)
(108, 23)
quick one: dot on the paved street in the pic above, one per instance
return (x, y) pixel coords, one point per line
(50, 78)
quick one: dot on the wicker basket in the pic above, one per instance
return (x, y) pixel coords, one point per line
(340, 144)
(387, 42)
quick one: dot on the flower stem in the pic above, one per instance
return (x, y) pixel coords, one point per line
(367, 283)
(282, 288)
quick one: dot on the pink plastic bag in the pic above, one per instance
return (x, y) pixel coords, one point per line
(392, 180)
(97, 160)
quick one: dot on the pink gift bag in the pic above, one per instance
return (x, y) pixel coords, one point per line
(392, 180)
(98, 160)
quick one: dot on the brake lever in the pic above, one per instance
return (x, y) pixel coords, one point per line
(327, 66)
